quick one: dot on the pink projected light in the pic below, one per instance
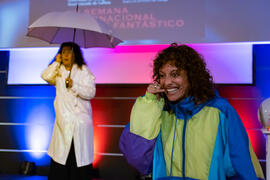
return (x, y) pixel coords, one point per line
(124, 64)
(229, 63)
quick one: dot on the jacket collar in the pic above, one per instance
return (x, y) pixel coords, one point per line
(186, 108)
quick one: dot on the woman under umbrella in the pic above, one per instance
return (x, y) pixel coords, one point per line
(71, 147)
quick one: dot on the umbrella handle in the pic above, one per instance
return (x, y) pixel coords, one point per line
(67, 82)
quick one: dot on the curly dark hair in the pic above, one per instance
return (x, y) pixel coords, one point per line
(186, 58)
(77, 53)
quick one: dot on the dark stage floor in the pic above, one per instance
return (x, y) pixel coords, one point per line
(20, 177)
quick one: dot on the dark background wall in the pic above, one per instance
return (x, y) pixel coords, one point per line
(111, 109)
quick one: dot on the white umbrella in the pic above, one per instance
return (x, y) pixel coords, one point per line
(81, 28)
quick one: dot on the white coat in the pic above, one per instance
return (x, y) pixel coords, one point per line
(73, 113)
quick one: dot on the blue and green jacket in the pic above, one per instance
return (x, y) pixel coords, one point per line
(206, 141)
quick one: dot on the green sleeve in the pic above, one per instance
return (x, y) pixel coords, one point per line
(145, 116)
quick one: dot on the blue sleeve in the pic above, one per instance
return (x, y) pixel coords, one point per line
(239, 145)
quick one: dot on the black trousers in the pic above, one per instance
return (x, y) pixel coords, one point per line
(70, 171)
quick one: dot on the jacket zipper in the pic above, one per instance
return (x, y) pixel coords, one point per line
(183, 148)
(183, 145)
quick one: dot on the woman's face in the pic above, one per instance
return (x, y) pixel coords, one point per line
(67, 56)
(174, 81)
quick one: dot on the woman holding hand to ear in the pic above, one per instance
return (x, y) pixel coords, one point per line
(71, 147)
(182, 128)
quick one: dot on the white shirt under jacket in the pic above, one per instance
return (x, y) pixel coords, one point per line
(73, 113)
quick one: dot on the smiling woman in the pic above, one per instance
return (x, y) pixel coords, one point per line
(174, 82)
(183, 128)
(181, 72)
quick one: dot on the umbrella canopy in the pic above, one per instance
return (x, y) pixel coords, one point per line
(81, 28)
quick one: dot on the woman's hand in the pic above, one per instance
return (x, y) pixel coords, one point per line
(58, 58)
(155, 89)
